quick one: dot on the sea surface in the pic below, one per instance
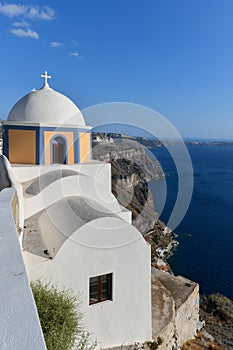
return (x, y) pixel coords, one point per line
(205, 252)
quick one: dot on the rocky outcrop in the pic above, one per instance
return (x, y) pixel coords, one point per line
(134, 194)
(175, 309)
(217, 312)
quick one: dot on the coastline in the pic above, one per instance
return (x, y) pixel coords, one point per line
(130, 186)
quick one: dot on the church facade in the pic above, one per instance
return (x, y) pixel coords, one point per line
(46, 127)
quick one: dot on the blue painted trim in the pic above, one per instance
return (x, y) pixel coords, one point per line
(37, 146)
(21, 127)
(51, 148)
(42, 157)
(76, 147)
(75, 131)
(5, 141)
(59, 129)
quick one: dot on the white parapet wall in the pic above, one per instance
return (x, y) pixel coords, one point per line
(52, 183)
(18, 188)
(19, 324)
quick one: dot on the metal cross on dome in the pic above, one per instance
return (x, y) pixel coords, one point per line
(46, 77)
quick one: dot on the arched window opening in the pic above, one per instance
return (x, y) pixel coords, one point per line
(58, 149)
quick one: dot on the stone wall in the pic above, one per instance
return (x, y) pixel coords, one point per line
(187, 316)
(175, 309)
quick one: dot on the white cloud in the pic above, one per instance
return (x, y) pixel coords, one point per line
(22, 24)
(29, 11)
(55, 44)
(75, 54)
(45, 13)
(12, 10)
(25, 33)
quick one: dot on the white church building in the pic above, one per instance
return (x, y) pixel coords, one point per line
(75, 233)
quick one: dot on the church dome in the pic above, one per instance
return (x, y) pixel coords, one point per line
(46, 106)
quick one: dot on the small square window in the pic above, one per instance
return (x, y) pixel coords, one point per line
(100, 288)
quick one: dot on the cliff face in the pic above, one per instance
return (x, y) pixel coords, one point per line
(141, 163)
(130, 187)
(132, 169)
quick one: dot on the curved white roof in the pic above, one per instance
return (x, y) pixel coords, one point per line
(46, 106)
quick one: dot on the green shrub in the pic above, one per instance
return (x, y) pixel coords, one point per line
(59, 318)
(221, 306)
(153, 345)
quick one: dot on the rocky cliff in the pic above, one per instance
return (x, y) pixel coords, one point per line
(142, 161)
(132, 169)
(217, 312)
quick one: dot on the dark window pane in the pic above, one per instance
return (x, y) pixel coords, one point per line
(93, 289)
(105, 295)
(104, 278)
(104, 286)
(94, 285)
(94, 280)
(100, 288)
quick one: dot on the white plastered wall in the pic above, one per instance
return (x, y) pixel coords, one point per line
(93, 181)
(98, 171)
(106, 245)
(78, 185)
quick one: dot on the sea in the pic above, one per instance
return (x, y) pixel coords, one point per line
(205, 235)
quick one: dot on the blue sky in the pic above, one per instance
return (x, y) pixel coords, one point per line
(175, 56)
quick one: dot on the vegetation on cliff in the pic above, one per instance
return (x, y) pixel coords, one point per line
(201, 342)
(217, 312)
(219, 306)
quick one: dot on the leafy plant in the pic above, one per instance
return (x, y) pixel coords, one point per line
(60, 319)
(153, 345)
(221, 306)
